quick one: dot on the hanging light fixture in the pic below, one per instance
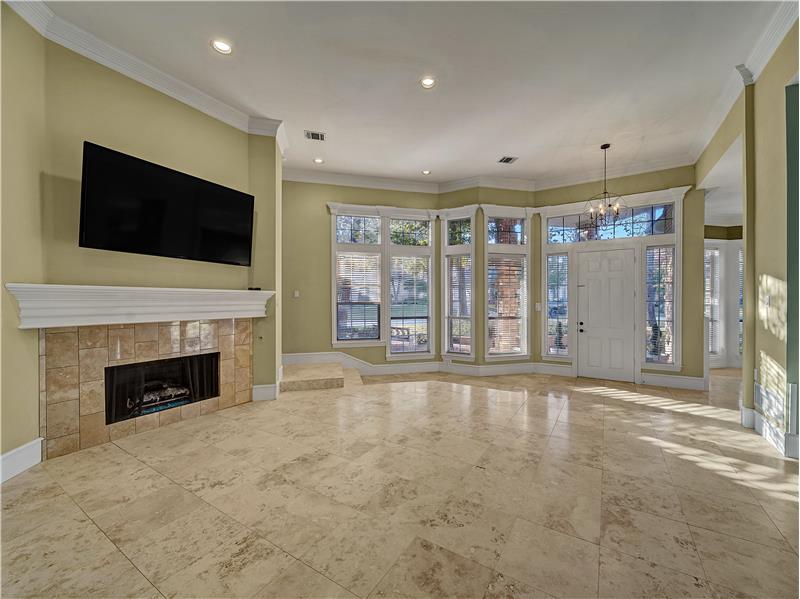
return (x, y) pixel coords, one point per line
(604, 208)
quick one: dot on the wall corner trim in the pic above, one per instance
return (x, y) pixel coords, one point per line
(20, 459)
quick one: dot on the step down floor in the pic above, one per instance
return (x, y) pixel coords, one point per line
(303, 377)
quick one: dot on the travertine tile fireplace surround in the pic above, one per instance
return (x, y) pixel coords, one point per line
(72, 362)
(110, 326)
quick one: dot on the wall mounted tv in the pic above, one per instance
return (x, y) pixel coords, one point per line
(131, 205)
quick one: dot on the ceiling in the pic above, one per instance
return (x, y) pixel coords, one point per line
(548, 82)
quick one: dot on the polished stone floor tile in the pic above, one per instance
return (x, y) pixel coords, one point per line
(431, 485)
(425, 569)
(558, 564)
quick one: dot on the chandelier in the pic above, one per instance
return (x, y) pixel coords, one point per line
(604, 208)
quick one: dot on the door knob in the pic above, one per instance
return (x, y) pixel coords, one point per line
(581, 323)
(580, 330)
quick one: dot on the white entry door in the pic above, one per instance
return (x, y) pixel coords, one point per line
(606, 314)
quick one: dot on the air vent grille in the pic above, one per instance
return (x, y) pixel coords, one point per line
(315, 135)
(508, 159)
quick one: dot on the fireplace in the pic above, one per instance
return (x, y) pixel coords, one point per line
(143, 388)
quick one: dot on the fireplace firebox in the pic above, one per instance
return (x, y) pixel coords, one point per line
(146, 387)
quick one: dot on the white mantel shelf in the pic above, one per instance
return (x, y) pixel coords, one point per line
(45, 306)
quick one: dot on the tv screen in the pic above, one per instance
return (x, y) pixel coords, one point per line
(131, 205)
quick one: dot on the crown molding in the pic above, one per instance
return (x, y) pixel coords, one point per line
(52, 27)
(486, 181)
(347, 180)
(782, 20)
(613, 173)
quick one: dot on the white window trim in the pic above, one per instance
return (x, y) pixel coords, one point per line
(545, 307)
(523, 249)
(392, 251)
(457, 250)
(383, 250)
(639, 244)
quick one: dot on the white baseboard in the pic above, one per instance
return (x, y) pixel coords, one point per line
(785, 443)
(365, 368)
(20, 459)
(748, 416)
(265, 392)
(696, 383)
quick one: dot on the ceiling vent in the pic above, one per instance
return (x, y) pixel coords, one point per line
(315, 135)
(508, 159)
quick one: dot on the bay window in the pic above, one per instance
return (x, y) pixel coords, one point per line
(711, 298)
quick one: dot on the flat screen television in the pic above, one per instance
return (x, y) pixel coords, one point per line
(131, 205)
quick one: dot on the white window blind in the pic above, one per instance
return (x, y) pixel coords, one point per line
(459, 304)
(507, 303)
(557, 304)
(659, 298)
(741, 299)
(409, 284)
(711, 298)
(358, 296)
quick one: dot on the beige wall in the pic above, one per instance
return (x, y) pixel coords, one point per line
(23, 147)
(58, 99)
(770, 231)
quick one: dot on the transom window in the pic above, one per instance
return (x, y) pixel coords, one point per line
(505, 230)
(459, 231)
(358, 229)
(409, 232)
(640, 221)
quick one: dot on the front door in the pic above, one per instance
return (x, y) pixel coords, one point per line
(606, 314)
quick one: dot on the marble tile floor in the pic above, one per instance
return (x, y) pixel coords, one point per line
(516, 486)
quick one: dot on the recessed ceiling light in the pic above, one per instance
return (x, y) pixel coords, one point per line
(428, 81)
(319, 161)
(426, 172)
(221, 46)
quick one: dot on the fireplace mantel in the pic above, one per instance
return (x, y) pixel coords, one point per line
(45, 306)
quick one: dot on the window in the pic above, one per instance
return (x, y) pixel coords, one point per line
(459, 304)
(640, 221)
(358, 229)
(459, 231)
(409, 232)
(382, 257)
(660, 316)
(557, 305)
(408, 303)
(507, 304)
(741, 299)
(458, 277)
(358, 296)
(711, 298)
(506, 281)
(505, 230)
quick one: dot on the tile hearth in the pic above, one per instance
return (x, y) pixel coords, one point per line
(521, 486)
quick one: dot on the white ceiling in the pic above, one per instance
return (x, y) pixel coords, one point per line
(548, 82)
(723, 185)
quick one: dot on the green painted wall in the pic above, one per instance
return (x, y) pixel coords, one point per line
(716, 232)
(53, 100)
(22, 256)
(771, 192)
